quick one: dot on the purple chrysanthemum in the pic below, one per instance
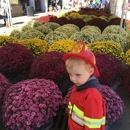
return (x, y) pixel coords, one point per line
(51, 66)
(110, 68)
(30, 103)
(15, 59)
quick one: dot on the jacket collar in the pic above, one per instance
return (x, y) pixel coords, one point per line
(92, 82)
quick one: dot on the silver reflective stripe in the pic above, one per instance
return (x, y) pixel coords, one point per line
(77, 119)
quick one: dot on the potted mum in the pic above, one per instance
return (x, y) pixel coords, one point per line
(125, 80)
(107, 47)
(67, 30)
(114, 104)
(63, 46)
(15, 61)
(110, 68)
(50, 66)
(113, 37)
(35, 45)
(81, 36)
(4, 40)
(30, 104)
(55, 36)
(52, 25)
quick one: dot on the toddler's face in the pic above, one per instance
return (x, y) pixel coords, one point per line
(79, 74)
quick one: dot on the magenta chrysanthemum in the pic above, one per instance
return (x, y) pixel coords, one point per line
(114, 104)
(125, 80)
(15, 59)
(30, 103)
(110, 68)
(49, 65)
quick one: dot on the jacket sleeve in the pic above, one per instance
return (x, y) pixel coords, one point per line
(94, 111)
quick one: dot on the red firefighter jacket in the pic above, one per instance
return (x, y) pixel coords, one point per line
(87, 108)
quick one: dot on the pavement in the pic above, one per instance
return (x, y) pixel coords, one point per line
(21, 20)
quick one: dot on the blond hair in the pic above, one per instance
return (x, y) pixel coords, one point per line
(72, 61)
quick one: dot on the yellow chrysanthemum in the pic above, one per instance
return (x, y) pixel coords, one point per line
(7, 39)
(107, 47)
(127, 57)
(37, 46)
(63, 46)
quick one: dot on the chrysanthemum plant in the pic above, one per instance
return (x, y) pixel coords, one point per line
(52, 25)
(107, 47)
(115, 29)
(67, 30)
(51, 66)
(44, 29)
(81, 36)
(4, 40)
(55, 36)
(110, 68)
(125, 80)
(35, 45)
(127, 57)
(113, 37)
(63, 46)
(29, 104)
(72, 26)
(15, 59)
(32, 33)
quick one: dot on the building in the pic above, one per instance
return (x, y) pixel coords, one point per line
(19, 6)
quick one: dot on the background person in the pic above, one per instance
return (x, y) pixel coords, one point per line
(4, 6)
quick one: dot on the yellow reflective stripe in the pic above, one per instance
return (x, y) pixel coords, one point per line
(78, 116)
(78, 112)
(94, 123)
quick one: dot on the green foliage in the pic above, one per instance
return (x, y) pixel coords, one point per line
(44, 29)
(32, 33)
(25, 28)
(67, 30)
(35, 23)
(113, 37)
(80, 36)
(91, 28)
(52, 25)
(55, 36)
(16, 33)
(72, 26)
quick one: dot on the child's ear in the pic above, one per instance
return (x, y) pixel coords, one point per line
(91, 70)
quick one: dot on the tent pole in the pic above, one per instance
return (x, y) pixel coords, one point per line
(122, 15)
(9, 15)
